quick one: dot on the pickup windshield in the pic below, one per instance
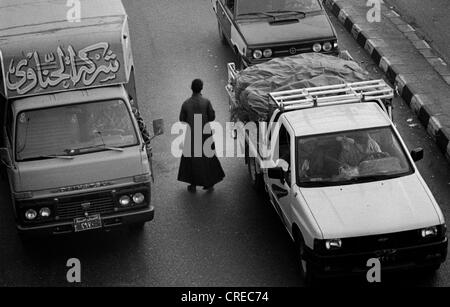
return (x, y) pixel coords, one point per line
(248, 7)
(73, 130)
(350, 157)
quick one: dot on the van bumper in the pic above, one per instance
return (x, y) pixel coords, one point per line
(429, 255)
(109, 222)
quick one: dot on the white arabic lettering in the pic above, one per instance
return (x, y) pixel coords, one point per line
(67, 69)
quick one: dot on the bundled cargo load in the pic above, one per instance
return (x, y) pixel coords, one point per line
(252, 85)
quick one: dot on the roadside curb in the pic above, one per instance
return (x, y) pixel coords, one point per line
(420, 76)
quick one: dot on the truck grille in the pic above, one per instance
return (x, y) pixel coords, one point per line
(72, 207)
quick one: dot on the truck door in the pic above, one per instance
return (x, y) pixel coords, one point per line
(225, 11)
(280, 189)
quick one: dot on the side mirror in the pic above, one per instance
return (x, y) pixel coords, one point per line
(158, 127)
(275, 173)
(5, 157)
(417, 154)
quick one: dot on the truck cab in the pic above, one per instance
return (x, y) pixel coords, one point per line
(262, 30)
(343, 182)
(72, 146)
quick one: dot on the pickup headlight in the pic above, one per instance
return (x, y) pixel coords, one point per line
(327, 46)
(267, 53)
(257, 54)
(333, 244)
(429, 232)
(317, 47)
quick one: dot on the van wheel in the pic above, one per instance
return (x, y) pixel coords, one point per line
(255, 177)
(304, 266)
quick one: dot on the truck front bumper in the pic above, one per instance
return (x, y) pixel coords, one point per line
(420, 256)
(109, 222)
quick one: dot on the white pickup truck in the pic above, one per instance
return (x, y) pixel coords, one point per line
(342, 180)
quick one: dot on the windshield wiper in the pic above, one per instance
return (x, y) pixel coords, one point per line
(288, 12)
(257, 14)
(55, 157)
(74, 151)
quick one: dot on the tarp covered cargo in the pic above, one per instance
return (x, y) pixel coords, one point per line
(253, 84)
(42, 51)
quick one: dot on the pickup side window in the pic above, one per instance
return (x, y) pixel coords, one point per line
(285, 150)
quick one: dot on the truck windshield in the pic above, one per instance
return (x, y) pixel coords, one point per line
(350, 157)
(248, 7)
(73, 130)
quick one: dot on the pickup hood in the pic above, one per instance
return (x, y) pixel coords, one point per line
(83, 169)
(380, 207)
(264, 32)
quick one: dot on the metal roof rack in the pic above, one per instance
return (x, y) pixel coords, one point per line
(332, 95)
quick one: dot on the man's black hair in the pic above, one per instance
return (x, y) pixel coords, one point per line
(197, 86)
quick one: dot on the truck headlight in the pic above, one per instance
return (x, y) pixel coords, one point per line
(257, 54)
(45, 212)
(429, 232)
(124, 200)
(333, 244)
(317, 47)
(30, 214)
(138, 198)
(267, 53)
(327, 46)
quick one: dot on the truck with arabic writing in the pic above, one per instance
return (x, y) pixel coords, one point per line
(73, 146)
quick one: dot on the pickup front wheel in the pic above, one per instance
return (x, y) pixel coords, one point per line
(304, 266)
(255, 176)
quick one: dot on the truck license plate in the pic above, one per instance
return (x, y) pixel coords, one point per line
(87, 223)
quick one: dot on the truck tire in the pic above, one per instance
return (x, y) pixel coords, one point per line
(255, 177)
(305, 269)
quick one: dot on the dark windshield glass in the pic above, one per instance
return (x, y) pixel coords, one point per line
(255, 6)
(348, 157)
(73, 129)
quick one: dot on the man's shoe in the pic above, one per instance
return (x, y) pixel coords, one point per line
(192, 188)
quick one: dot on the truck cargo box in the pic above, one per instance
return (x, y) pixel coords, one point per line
(43, 52)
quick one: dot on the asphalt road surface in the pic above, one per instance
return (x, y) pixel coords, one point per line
(230, 237)
(431, 18)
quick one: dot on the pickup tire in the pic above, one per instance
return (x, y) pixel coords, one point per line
(255, 176)
(304, 266)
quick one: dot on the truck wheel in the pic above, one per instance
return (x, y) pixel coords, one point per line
(223, 39)
(255, 177)
(304, 266)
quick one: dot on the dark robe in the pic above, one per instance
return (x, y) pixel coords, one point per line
(199, 169)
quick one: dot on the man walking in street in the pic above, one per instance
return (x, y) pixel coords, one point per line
(196, 168)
